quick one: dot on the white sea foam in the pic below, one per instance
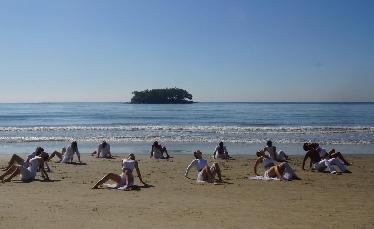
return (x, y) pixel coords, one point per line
(218, 129)
(190, 133)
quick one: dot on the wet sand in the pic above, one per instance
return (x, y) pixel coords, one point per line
(319, 200)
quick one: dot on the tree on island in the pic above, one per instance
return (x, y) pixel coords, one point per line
(162, 96)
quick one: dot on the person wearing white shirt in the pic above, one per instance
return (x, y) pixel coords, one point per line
(17, 160)
(103, 150)
(206, 173)
(67, 154)
(157, 151)
(279, 156)
(283, 171)
(221, 152)
(28, 173)
(126, 179)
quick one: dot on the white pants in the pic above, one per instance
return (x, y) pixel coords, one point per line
(26, 174)
(213, 170)
(328, 163)
(281, 156)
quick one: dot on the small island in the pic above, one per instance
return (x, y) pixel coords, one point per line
(162, 96)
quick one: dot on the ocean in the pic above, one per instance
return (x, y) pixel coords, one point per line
(243, 127)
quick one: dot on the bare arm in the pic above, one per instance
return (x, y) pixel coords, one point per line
(278, 173)
(258, 161)
(42, 170)
(98, 151)
(138, 172)
(214, 152)
(78, 154)
(305, 158)
(189, 167)
(151, 153)
(110, 154)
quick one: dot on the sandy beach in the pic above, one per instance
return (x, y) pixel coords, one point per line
(319, 200)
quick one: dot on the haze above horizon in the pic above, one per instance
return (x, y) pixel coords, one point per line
(260, 51)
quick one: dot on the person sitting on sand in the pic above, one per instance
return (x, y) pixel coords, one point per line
(17, 160)
(28, 173)
(319, 164)
(126, 179)
(206, 173)
(103, 150)
(283, 171)
(66, 155)
(157, 151)
(328, 155)
(279, 156)
(221, 152)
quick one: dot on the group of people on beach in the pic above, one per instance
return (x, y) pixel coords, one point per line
(275, 163)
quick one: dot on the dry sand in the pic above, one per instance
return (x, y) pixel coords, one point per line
(319, 200)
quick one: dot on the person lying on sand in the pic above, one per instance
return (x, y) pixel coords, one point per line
(17, 160)
(157, 151)
(67, 153)
(103, 150)
(279, 156)
(328, 155)
(221, 152)
(319, 164)
(126, 179)
(28, 173)
(206, 173)
(283, 171)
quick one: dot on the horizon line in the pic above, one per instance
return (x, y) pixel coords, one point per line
(295, 102)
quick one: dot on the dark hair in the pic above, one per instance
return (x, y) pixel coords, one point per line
(221, 143)
(74, 144)
(45, 156)
(195, 155)
(104, 143)
(258, 153)
(155, 143)
(269, 143)
(38, 150)
(306, 146)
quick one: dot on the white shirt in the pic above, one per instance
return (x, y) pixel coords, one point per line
(29, 157)
(267, 162)
(157, 153)
(322, 152)
(128, 164)
(220, 151)
(33, 167)
(103, 151)
(198, 163)
(68, 156)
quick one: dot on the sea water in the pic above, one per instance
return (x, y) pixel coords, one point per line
(243, 127)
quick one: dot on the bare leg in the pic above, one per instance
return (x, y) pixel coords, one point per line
(285, 167)
(47, 166)
(110, 176)
(207, 175)
(167, 155)
(14, 173)
(55, 153)
(127, 177)
(14, 159)
(340, 156)
(10, 171)
(218, 171)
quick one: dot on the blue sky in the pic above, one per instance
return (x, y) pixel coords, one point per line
(297, 50)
